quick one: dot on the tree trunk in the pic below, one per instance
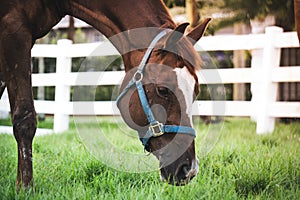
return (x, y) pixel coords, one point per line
(297, 16)
(239, 62)
(192, 12)
(71, 29)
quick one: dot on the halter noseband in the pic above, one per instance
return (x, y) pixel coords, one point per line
(155, 128)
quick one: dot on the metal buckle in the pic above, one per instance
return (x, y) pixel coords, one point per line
(138, 76)
(156, 129)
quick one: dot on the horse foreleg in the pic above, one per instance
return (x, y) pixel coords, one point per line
(18, 83)
(24, 125)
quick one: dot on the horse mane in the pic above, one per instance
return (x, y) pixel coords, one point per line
(184, 52)
(190, 57)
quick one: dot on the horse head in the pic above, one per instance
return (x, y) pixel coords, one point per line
(157, 97)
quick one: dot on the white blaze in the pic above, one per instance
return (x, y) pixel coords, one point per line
(186, 84)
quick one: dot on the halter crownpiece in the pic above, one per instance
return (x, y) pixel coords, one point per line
(156, 128)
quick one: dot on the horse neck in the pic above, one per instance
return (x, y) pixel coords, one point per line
(116, 20)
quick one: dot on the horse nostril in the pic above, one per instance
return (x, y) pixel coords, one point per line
(185, 170)
(182, 172)
(185, 173)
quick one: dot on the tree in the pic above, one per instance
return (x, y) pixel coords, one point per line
(192, 12)
(297, 17)
(71, 28)
(243, 11)
(191, 8)
(258, 9)
(173, 3)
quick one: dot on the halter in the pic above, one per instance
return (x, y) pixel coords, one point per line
(156, 128)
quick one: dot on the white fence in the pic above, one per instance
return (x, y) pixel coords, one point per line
(264, 76)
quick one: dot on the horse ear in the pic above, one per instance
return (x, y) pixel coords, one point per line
(197, 32)
(176, 35)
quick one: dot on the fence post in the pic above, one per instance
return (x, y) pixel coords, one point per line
(4, 114)
(62, 92)
(41, 89)
(256, 65)
(266, 89)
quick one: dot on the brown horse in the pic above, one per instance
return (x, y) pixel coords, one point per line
(173, 88)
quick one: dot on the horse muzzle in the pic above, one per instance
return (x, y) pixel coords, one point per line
(184, 173)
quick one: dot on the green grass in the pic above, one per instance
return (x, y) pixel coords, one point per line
(242, 165)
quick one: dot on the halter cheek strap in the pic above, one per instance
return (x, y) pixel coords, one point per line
(155, 128)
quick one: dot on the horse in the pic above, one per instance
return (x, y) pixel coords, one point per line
(167, 134)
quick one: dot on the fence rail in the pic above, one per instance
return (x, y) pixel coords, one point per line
(264, 76)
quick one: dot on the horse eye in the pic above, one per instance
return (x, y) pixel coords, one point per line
(162, 91)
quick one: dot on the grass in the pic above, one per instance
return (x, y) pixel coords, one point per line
(242, 165)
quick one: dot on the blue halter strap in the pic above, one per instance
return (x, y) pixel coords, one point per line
(155, 128)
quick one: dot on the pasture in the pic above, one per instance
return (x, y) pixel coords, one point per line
(242, 165)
